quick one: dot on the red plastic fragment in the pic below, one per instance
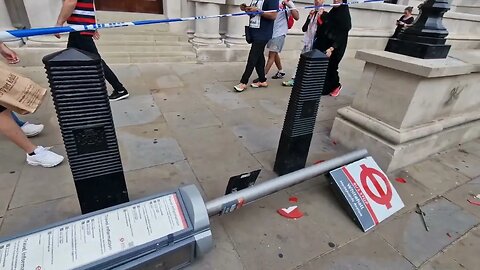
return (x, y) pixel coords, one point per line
(319, 161)
(292, 212)
(401, 180)
(293, 199)
(471, 201)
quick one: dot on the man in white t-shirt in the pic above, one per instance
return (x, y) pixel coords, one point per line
(280, 29)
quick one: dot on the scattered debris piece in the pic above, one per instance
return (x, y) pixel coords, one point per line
(331, 244)
(319, 161)
(449, 235)
(401, 180)
(471, 201)
(280, 255)
(292, 212)
(334, 142)
(423, 214)
(12, 172)
(477, 196)
(293, 199)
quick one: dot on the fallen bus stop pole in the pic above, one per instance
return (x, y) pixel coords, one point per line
(230, 202)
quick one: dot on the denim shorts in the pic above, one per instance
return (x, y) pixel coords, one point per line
(276, 44)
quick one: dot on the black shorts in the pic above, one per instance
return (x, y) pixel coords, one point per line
(2, 108)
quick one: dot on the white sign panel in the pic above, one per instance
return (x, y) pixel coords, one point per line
(88, 240)
(368, 191)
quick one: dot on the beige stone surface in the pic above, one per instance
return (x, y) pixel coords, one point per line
(462, 194)
(378, 255)
(461, 162)
(8, 183)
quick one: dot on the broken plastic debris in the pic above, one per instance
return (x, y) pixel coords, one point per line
(401, 180)
(293, 199)
(471, 201)
(291, 212)
(319, 161)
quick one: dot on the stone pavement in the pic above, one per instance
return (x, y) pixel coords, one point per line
(184, 125)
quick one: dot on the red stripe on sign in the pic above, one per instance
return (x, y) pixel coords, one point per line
(81, 20)
(360, 192)
(84, 5)
(180, 211)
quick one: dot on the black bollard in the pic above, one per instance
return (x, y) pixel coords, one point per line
(426, 38)
(83, 110)
(301, 112)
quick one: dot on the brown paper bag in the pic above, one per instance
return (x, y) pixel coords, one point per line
(18, 93)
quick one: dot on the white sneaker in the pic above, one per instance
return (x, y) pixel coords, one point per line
(31, 130)
(44, 157)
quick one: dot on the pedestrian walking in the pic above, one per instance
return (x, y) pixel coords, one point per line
(82, 12)
(260, 31)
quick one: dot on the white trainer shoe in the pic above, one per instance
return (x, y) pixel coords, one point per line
(44, 157)
(32, 130)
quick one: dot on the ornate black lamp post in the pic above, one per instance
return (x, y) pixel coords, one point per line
(426, 37)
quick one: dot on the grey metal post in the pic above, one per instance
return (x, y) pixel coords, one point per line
(215, 206)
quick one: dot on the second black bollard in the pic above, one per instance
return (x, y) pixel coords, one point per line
(301, 113)
(83, 110)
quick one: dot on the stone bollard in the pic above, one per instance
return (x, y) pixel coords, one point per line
(301, 113)
(83, 110)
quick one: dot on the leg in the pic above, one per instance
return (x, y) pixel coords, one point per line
(19, 122)
(260, 66)
(12, 131)
(86, 43)
(278, 62)
(332, 79)
(271, 59)
(252, 61)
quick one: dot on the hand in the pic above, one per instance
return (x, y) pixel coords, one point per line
(243, 7)
(8, 54)
(58, 25)
(329, 52)
(289, 4)
(96, 35)
(311, 14)
(251, 9)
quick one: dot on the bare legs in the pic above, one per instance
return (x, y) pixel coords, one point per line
(11, 130)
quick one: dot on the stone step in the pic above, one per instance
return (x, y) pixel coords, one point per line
(171, 48)
(31, 57)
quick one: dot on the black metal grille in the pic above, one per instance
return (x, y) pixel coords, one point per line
(83, 111)
(301, 112)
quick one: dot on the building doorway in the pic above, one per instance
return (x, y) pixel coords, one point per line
(141, 6)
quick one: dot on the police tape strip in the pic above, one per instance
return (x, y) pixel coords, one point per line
(16, 34)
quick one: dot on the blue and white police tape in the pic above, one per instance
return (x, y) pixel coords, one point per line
(16, 34)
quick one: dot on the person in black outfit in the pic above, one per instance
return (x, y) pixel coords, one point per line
(82, 12)
(332, 39)
(261, 31)
(405, 21)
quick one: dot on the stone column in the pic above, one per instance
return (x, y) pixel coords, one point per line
(188, 10)
(235, 25)
(407, 109)
(207, 31)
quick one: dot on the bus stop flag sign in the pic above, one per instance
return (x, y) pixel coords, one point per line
(366, 192)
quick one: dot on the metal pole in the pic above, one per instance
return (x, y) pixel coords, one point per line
(215, 206)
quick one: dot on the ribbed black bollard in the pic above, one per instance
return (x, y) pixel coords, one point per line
(301, 112)
(426, 38)
(83, 110)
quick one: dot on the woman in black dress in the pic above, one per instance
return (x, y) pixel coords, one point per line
(404, 21)
(332, 39)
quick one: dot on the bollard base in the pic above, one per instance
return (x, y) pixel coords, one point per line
(292, 155)
(418, 50)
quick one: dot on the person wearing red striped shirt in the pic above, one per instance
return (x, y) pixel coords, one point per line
(82, 12)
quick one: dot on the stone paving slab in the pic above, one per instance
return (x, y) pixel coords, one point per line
(220, 95)
(144, 146)
(273, 242)
(370, 252)
(192, 119)
(177, 100)
(150, 181)
(461, 161)
(461, 194)
(27, 218)
(442, 262)
(223, 256)
(8, 182)
(466, 251)
(437, 177)
(258, 138)
(37, 185)
(16, 159)
(407, 233)
(136, 110)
